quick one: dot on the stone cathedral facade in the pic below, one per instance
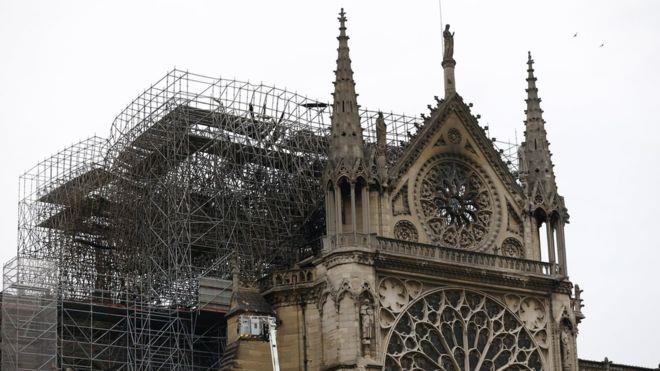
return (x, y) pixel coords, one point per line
(432, 262)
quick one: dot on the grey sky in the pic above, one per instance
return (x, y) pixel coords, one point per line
(67, 68)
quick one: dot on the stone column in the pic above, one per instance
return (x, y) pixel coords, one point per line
(331, 218)
(561, 247)
(551, 242)
(450, 83)
(338, 204)
(365, 209)
(353, 213)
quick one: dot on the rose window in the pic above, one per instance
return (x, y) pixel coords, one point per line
(456, 204)
(460, 330)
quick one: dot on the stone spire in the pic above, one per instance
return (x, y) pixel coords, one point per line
(535, 157)
(346, 141)
(538, 177)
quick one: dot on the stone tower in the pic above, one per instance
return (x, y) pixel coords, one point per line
(431, 259)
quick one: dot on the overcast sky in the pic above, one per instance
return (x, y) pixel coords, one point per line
(67, 68)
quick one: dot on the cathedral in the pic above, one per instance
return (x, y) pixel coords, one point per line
(432, 261)
(225, 225)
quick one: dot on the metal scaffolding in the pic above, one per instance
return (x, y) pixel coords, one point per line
(127, 244)
(199, 175)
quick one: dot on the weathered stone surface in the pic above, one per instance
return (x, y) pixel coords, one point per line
(435, 261)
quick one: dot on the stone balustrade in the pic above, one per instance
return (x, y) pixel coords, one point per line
(390, 246)
(347, 239)
(289, 277)
(457, 256)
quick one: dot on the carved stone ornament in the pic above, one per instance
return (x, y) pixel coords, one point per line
(469, 148)
(532, 312)
(455, 329)
(455, 202)
(400, 202)
(441, 142)
(454, 136)
(513, 248)
(406, 231)
(394, 295)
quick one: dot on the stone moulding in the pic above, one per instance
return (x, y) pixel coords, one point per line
(387, 253)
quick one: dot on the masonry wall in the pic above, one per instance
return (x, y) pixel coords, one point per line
(289, 334)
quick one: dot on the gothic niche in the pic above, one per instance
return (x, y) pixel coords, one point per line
(406, 231)
(513, 248)
(456, 329)
(456, 204)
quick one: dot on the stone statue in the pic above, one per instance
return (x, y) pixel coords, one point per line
(566, 346)
(366, 326)
(381, 134)
(449, 44)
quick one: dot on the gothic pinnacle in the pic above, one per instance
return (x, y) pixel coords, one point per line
(346, 141)
(536, 163)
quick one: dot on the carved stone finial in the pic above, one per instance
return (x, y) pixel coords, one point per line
(342, 20)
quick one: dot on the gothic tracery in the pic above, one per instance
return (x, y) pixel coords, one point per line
(406, 231)
(455, 203)
(455, 329)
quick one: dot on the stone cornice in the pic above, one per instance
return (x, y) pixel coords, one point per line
(407, 258)
(286, 295)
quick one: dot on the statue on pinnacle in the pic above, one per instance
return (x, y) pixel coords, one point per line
(449, 44)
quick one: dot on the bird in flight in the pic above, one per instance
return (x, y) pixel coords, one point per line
(575, 35)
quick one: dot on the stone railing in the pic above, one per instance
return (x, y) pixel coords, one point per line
(347, 239)
(289, 277)
(457, 256)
